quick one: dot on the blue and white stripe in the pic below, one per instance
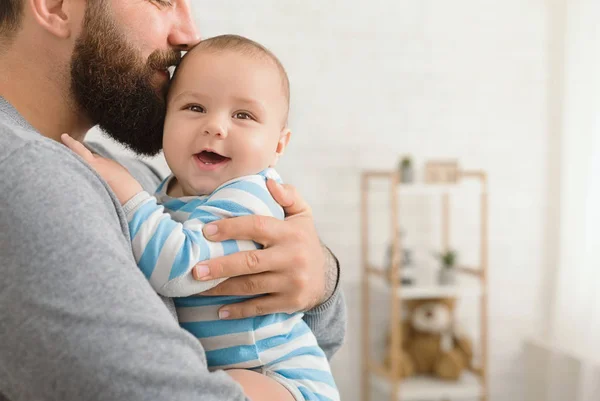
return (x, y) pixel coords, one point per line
(167, 239)
(168, 242)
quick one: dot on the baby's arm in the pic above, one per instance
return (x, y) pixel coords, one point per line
(166, 251)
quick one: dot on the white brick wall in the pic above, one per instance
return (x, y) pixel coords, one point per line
(434, 78)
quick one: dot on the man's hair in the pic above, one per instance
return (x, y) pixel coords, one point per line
(11, 12)
(247, 47)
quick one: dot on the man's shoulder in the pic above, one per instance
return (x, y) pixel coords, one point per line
(148, 176)
(17, 143)
(32, 164)
(14, 138)
(43, 181)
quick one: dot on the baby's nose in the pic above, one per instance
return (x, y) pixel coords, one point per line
(215, 128)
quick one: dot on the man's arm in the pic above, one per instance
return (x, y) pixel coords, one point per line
(77, 318)
(332, 272)
(328, 320)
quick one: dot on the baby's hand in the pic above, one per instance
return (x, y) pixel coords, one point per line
(122, 183)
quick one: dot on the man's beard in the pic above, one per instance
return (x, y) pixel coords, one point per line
(114, 87)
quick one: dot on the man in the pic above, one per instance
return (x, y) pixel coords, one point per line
(77, 318)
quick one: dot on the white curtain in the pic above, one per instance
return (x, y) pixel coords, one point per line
(575, 324)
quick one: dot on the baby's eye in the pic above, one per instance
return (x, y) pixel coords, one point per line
(164, 3)
(242, 115)
(195, 108)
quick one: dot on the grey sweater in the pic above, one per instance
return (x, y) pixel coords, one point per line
(78, 320)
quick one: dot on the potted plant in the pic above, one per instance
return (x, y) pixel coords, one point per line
(447, 269)
(405, 273)
(406, 170)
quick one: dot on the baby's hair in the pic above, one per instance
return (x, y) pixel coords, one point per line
(247, 47)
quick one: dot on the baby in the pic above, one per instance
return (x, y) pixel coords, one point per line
(225, 129)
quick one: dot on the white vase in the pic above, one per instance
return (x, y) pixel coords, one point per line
(406, 175)
(447, 276)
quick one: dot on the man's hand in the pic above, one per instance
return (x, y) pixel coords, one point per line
(116, 176)
(290, 270)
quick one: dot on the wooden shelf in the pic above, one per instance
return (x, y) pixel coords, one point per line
(421, 388)
(427, 189)
(471, 282)
(455, 291)
(463, 289)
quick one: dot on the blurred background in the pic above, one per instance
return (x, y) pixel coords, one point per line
(506, 87)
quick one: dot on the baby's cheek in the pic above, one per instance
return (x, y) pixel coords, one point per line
(168, 146)
(260, 152)
(173, 149)
(168, 133)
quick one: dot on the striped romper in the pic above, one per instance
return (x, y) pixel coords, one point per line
(167, 243)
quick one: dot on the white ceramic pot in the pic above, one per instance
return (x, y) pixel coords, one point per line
(447, 276)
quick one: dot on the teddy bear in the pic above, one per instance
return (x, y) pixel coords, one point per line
(431, 342)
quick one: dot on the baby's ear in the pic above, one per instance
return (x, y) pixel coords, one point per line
(284, 139)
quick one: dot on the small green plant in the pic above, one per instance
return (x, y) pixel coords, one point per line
(447, 258)
(405, 169)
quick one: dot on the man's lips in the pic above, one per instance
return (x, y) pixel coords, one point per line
(209, 160)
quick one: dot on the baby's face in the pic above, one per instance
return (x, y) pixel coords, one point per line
(225, 119)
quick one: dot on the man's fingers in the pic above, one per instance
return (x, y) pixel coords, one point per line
(77, 147)
(287, 196)
(256, 284)
(237, 264)
(261, 229)
(279, 192)
(264, 305)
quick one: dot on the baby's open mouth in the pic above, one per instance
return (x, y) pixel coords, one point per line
(210, 158)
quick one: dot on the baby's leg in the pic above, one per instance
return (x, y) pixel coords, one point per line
(259, 387)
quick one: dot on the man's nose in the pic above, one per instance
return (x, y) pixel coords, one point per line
(184, 35)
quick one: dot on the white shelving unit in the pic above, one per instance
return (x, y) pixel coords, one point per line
(387, 381)
(426, 189)
(469, 289)
(421, 388)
